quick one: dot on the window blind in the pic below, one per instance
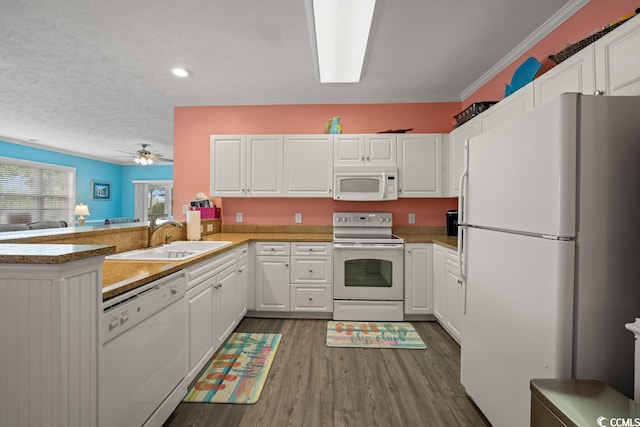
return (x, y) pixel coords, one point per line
(33, 191)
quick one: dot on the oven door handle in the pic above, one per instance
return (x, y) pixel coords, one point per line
(373, 246)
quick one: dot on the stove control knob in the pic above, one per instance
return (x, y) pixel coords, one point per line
(381, 219)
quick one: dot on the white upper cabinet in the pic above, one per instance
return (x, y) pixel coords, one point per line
(420, 164)
(455, 151)
(512, 106)
(380, 149)
(617, 60)
(228, 159)
(264, 165)
(368, 149)
(246, 165)
(576, 74)
(308, 165)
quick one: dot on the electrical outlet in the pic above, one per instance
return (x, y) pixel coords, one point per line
(185, 209)
(412, 218)
(239, 217)
(298, 218)
(209, 228)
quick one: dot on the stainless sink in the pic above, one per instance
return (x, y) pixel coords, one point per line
(176, 251)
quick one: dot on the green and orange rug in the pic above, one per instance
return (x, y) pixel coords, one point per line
(373, 334)
(238, 370)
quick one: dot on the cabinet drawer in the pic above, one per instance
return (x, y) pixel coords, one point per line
(273, 248)
(311, 248)
(208, 268)
(311, 270)
(452, 258)
(242, 252)
(311, 298)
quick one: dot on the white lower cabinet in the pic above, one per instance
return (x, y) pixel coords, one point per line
(200, 325)
(272, 276)
(448, 291)
(214, 307)
(243, 282)
(418, 278)
(298, 277)
(224, 304)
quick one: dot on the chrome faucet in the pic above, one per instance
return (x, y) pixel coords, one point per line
(153, 227)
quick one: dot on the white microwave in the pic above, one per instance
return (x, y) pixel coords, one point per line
(365, 183)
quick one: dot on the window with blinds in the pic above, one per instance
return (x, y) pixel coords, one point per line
(32, 191)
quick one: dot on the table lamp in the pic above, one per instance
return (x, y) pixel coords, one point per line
(81, 210)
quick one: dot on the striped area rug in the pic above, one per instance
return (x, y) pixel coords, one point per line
(238, 370)
(373, 334)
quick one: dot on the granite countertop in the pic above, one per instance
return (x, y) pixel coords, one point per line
(121, 276)
(26, 253)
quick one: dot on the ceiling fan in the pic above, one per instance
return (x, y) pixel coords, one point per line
(145, 157)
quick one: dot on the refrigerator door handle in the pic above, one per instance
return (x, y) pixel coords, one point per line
(463, 185)
(461, 214)
(462, 265)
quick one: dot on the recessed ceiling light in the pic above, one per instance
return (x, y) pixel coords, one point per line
(342, 31)
(180, 72)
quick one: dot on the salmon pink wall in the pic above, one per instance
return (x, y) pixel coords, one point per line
(194, 125)
(318, 211)
(595, 14)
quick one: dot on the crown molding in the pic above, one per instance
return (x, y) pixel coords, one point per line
(534, 38)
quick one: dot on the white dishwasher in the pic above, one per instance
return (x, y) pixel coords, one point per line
(144, 355)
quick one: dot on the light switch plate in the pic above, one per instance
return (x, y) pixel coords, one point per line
(298, 218)
(185, 209)
(412, 218)
(239, 217)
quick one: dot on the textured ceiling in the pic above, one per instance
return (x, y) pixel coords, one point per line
(93, 78)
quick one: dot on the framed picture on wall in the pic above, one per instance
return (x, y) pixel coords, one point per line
(100, 190)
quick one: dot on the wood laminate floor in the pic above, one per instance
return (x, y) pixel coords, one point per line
(312, 385)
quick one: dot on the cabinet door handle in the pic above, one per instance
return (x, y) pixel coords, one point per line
(310, 299)
(310, 271)
(240, 271)
(286, 265)
(598, 93)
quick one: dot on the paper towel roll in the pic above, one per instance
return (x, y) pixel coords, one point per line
(193, 225)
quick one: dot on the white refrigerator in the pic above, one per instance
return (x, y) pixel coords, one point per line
(549, 246)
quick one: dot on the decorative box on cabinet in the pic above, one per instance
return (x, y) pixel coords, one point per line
(420, 164)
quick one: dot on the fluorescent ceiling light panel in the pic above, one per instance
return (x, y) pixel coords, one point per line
(342, 31)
